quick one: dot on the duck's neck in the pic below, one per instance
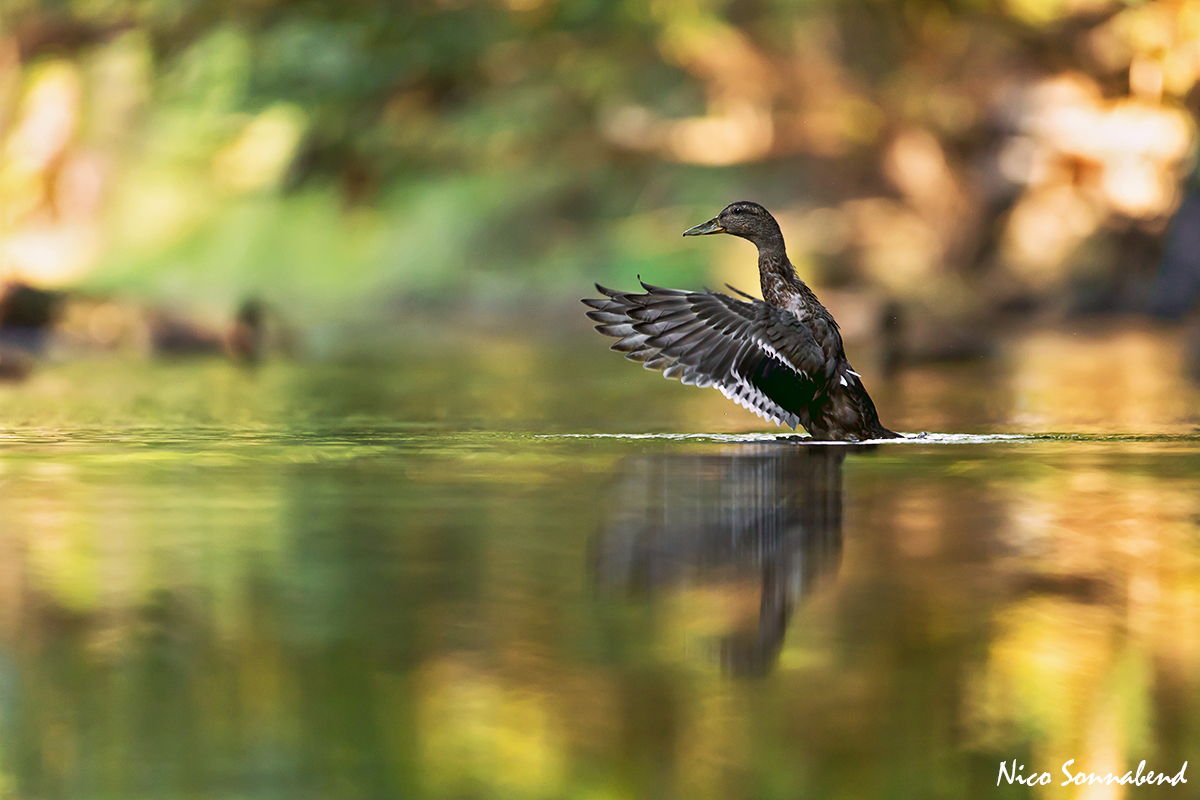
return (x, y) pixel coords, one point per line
(778, 278)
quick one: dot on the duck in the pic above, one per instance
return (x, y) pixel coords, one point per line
(781, 357)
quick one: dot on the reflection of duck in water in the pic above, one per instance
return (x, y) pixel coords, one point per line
(774, 511)
(782, 359)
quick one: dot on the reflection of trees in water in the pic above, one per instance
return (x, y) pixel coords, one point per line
(772, 509)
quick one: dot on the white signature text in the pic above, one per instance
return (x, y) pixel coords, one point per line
(1015, 775)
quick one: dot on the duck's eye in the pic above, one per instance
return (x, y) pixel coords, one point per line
(738, 210)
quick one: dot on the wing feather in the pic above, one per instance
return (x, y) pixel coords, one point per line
(757, 355)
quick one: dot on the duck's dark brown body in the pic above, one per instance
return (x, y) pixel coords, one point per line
(782, 358)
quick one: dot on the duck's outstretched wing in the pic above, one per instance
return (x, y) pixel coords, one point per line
(760, 356)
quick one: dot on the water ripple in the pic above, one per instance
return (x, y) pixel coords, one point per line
(906, 438)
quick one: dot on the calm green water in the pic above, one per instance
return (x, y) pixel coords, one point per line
(431, 579)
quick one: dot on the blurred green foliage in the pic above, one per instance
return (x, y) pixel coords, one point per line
(443, 147)
(343, 157)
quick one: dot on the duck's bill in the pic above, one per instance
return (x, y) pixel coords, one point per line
(712, 226)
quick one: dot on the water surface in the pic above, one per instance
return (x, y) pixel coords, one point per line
(444, 578)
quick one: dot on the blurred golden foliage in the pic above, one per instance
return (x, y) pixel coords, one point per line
(959, 157)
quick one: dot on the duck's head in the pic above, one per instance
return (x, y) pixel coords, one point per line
(743, 218)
